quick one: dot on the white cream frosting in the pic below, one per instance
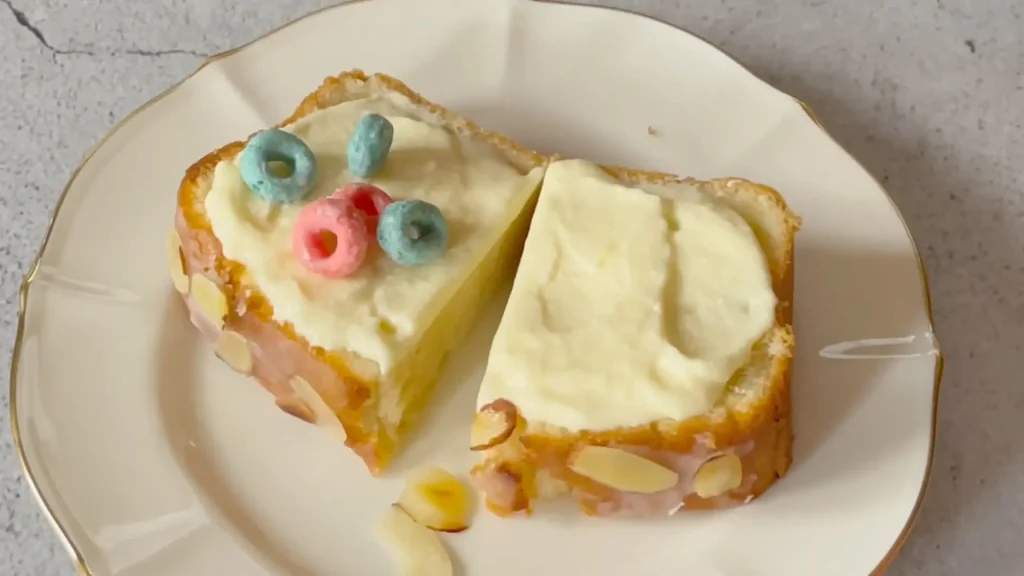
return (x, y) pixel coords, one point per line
(379, 312)
(628, 307)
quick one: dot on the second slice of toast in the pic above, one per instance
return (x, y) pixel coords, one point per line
(642, 365)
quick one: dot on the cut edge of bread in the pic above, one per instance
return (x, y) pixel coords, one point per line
(358, 375)
(754, 409)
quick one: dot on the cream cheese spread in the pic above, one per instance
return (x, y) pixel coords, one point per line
(380, 312)
(628, 306)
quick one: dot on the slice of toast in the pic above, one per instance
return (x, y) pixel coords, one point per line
(342, 392)
(724, 456)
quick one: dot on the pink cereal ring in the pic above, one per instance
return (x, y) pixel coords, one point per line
(368, 199)
(331, 237)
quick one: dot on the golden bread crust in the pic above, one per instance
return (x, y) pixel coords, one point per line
(535, 463)
(278, 354)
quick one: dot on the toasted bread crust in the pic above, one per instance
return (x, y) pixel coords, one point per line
(279, 354)
(534, 464)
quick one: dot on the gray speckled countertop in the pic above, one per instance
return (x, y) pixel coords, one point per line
(928, 94)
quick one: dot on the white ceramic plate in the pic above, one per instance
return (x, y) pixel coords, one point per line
(154, 459)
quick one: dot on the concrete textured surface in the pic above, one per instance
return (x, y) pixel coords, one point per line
(928, 94)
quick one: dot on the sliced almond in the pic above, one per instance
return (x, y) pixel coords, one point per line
(418, 549)
(436, 499)
(718, 476)
(212, 302)
(622, 470)
(233, 349)
(493, 425)
(297, 408)
(176, 261)
(324, 417)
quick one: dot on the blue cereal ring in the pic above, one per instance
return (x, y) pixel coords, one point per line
(276, 145)
(412, 232)
(369, 146)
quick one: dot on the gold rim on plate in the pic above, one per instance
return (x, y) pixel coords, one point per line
(80, 564)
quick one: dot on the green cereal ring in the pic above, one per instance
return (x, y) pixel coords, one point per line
(369, 146)
(412, 232)
(276, 145)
